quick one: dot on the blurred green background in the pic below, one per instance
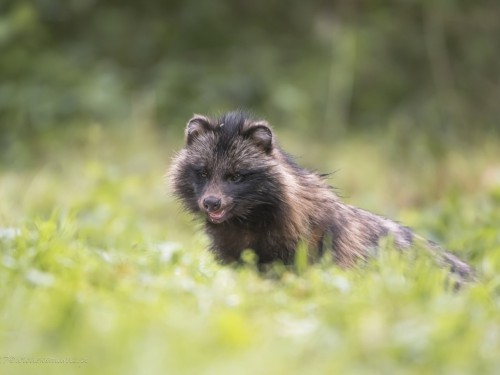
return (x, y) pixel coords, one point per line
(99, 264)
(320, 67)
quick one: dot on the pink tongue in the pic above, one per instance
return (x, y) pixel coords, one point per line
(216, 215)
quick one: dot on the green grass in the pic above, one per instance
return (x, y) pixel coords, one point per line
(101, 266)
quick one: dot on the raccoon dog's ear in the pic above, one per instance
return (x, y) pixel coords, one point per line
(195, 127)
(260, 133)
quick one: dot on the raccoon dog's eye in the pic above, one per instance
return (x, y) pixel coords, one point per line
(236, 178)
(203, 173)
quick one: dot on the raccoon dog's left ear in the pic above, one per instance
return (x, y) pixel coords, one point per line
(195, 127)
(260, 133)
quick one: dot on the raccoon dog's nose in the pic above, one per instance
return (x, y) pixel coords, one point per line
(211, 203)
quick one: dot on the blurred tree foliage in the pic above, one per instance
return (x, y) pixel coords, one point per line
(332, 66)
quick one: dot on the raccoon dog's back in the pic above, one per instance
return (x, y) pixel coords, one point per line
(254, 196)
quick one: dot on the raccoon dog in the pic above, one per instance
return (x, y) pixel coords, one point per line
(254, 196)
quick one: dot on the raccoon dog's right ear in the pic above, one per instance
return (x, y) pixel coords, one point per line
(195, 127)
(260, 132)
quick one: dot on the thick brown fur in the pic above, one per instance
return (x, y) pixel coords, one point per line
(254, 196)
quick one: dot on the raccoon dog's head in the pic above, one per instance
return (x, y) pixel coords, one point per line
(227, 169)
